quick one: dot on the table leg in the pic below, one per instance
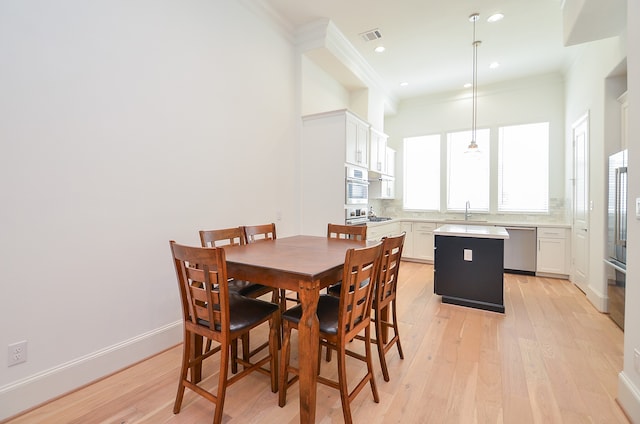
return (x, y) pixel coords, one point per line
(308, 345)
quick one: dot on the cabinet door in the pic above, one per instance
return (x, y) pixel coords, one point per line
(551, 255)
(378, 152)
(388, 189)
(362, 143)
(391, 161)
(423, 241)
(407, 249)
(351, 141)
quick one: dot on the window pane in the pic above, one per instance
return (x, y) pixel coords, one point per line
(468, 173)
(523, 168)
(422, 172)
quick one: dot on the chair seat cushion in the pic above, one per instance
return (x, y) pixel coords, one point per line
(328, 307)
(245, 312)
(335, 289)
(244, 288)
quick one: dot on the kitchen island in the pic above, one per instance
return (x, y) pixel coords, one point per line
(469, 265)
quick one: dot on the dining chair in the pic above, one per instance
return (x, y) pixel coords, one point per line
(262, 232)
(210, 310)
(231, 237)
(255, 233)
(386, 297)
(341, 320)
(356, 232)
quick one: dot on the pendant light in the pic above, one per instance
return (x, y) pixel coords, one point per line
(473, 146)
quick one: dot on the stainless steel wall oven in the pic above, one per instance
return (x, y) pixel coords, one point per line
(356, 186)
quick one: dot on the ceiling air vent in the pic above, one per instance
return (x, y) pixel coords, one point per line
(371, 35)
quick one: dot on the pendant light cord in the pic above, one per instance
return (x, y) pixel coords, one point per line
(474, 95)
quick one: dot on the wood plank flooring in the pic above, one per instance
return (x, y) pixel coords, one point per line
(551, 358)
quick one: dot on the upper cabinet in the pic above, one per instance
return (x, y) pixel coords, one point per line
(378, 152)
(391, 162)
(382, 159)
(357, 141)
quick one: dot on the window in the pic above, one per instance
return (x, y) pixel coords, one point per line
(422, 172)
(523, 168)
(468, 173)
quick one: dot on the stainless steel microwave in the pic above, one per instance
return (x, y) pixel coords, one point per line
(356, 185)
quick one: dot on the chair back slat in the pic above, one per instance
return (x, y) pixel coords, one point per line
(222, 237)
(358, 283)
(356, 232)
(389, 267)
(202, 277)
(254, 233)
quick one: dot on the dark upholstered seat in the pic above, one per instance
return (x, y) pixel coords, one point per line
(211, 311)
(341, 321)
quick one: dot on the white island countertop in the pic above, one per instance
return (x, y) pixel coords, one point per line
(475, 231)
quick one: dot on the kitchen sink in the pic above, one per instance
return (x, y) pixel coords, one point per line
(378, 219)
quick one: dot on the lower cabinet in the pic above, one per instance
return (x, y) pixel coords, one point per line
(407, 249)
(552, 257)
(419, 245)
(376, 232)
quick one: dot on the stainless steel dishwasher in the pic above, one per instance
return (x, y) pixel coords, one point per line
(520, 250)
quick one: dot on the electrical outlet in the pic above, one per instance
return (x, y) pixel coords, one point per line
(17, 353)
(636, 359)
(467, 255)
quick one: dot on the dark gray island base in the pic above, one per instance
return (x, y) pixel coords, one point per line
(469, 266)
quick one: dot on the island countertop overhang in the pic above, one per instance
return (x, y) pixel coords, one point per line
(475, 231)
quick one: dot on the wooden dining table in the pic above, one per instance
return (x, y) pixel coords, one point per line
(304, 264)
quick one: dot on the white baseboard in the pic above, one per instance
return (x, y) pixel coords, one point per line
(36, 389)
(629, 397)
(597, 299)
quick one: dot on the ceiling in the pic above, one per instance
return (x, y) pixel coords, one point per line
(429, 42)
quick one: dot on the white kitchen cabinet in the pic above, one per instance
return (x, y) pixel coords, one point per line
(377, 231)
(553, 255)
(423, 240)
(418, 243)
(357, 140)
(378, 152)
(382, 188)
(391, 162)
(407, 249)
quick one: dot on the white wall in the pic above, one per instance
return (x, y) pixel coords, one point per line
(629, 379)
(586, 83)
(124, 125)
(537, 99)
(320, 91)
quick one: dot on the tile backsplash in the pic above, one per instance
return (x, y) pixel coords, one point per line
(393, 208)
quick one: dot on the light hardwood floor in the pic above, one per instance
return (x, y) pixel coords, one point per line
(551, 358)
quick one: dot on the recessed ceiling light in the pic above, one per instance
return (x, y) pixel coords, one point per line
(495, 17)
(494, 65)
(404, 84)
(379, 49)
(468, 85)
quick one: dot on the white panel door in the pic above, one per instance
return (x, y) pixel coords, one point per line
(580, 239)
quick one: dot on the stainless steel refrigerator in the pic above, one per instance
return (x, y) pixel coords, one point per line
(616, 260)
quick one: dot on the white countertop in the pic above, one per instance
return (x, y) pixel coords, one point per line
(475, 231)
(440, 222)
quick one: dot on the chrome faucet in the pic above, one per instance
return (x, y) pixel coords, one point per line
(467, 214)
